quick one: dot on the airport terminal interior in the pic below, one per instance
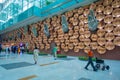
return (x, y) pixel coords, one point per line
(59, 39)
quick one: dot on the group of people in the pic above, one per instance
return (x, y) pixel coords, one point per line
(15, 49)
(54, 51)
(12, 49)
(20, 49)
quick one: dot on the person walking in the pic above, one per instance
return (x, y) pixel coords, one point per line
(7, 50)
(35, 54)
(19, 50)
(55, 52)
(90, 55)
(0, 48)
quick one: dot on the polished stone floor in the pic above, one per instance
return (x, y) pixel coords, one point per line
(22, 67)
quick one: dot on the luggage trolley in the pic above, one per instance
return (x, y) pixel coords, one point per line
(100, 64)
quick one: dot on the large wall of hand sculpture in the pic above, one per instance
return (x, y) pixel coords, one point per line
(75, 32)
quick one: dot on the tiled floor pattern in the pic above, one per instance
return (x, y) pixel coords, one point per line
(50, 69)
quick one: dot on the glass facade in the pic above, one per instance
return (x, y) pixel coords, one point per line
(10, 9)
(13, 12)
